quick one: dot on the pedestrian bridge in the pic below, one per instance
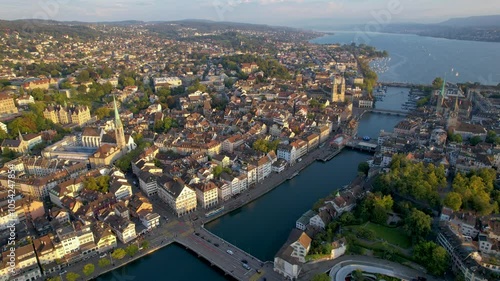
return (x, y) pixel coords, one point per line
(362, 145)
(227, 257)
(388, 112)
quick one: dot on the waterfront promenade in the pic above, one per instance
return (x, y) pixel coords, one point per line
(189, 232)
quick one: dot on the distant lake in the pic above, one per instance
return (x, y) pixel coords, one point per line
(419, 59)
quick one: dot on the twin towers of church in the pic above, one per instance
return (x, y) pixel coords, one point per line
(338, 95)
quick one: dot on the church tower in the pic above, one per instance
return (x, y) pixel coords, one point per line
(119, 134)
(338, 96)
(453, 116)
(440, 98)
(334, 89)
(342, 90)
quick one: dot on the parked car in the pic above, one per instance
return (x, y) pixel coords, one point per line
(246, 266)
(230, 252)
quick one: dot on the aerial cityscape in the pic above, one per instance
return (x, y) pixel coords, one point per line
(249, 140)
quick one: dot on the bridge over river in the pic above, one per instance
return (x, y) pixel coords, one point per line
(227, 257)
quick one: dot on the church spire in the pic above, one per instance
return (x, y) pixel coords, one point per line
(20, 135)
(118, 121)
(441, 96)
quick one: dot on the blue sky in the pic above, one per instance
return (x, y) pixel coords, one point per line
(286, 12)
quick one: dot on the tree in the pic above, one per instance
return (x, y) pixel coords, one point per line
(437, 83)
(55, 278)
(83, 76)
(129, 81)
(118, 254)
(433, 257)
(71, 276)
(104, 262)
(491, 137)
(102, 112)
(88, 269)
(364, 167)
(132, 250)
(475, 140)
(417, 224)
(453, 200)
(145, 244)
(357, 275)
(321, 277)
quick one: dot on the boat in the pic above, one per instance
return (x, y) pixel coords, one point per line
(213, 212)
(366, 138)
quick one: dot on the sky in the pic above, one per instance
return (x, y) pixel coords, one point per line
(276, 12)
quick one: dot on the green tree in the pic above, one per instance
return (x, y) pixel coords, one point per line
(145, 244)
(83, 76)
(132, 250)
(55, 278)
(475, 140)
(118, 254)
(357, 275)
(104, 262)
(453, 200)
(129, 81)
(102, 112)
(417, 224)
(433, 257)
(88, 269)
(321, 277)
(71, 276)
(437, 83)
(363, 167)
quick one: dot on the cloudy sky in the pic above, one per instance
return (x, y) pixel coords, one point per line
(286, 12)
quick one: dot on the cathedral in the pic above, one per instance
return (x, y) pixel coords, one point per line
(110, 145)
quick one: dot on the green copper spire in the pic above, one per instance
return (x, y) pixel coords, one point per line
(442, 89)
(118, 122)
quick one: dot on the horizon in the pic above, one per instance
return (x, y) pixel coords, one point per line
(293, 13)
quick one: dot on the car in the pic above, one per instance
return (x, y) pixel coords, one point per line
(103, 255)
(258, 271)
(230, 252)
(63, 272)
(244, 261)
(197, 234)
(246, 266)
(216, 245)
(208, 240)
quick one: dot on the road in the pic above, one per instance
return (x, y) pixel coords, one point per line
(344, 265)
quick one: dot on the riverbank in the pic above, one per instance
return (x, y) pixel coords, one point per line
(273, 181)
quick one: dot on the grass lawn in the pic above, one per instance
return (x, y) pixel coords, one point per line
(392, 235)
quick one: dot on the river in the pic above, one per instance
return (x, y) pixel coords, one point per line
(262, 226)
(418, 59)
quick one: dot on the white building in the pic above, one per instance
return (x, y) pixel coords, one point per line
(180, 197)
(207, 194)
